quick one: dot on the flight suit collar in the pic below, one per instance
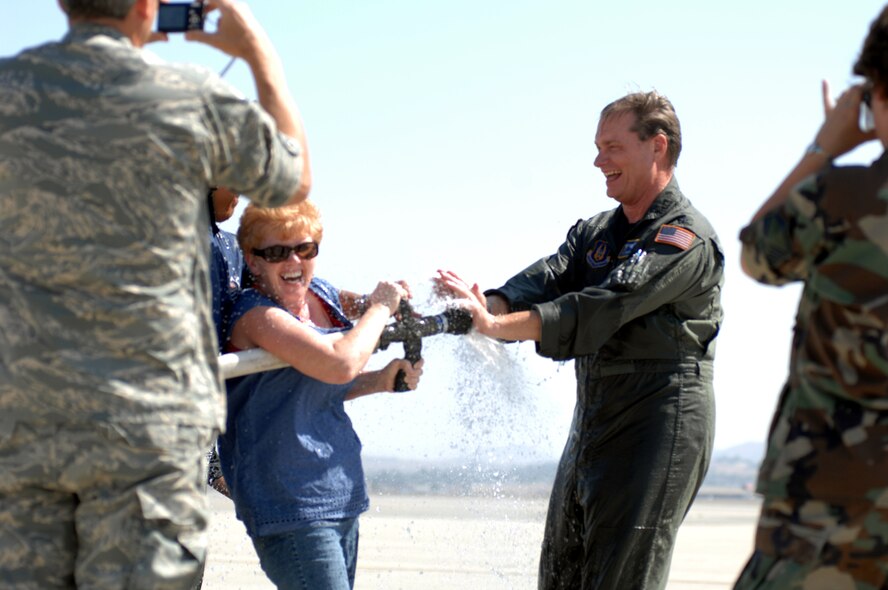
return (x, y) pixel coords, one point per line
(667, 200)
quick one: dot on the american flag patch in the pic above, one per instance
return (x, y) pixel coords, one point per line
(675, 236)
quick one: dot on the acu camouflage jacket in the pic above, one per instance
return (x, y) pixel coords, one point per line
(106, 156)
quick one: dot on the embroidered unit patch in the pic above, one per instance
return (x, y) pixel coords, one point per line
(675, 236)
(597, 256)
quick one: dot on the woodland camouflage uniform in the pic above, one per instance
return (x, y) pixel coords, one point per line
(824, 521)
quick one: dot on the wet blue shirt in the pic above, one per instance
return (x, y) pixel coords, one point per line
(290, 454)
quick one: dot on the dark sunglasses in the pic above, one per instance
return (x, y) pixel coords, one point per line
(279, 253)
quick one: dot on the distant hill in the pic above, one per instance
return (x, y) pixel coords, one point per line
(751, 451)
(732, 473)
(465, 477)
(735, 468)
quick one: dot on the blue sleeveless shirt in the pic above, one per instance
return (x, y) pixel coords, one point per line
(290, 455)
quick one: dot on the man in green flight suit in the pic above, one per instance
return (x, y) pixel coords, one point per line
(633, 295)
(824, 479)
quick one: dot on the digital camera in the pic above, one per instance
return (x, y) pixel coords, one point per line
(178, 17)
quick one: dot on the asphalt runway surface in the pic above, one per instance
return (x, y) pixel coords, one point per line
(462, 543)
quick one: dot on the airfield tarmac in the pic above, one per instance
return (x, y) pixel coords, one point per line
(463, 543)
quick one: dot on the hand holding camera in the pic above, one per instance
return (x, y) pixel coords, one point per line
(846, 125)
(238, 33)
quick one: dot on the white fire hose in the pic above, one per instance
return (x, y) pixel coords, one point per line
(409, 330)
(245, 362)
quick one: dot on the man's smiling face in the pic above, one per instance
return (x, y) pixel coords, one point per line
(627, 162)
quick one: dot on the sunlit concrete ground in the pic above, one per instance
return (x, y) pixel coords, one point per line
(456, 543)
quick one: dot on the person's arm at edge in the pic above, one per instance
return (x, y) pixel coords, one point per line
(275, 98)
(519, 325)
(240, 35)
(838, 135)
(497, 304)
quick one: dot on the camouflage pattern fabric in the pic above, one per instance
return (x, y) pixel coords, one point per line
(106, 157)
(825, 474)
(813, 545)
(133, 492)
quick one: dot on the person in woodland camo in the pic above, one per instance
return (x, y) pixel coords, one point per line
(824, 478)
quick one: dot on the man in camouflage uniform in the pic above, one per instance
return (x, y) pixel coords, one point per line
(824, 479)
(633, 295)
(109, 384)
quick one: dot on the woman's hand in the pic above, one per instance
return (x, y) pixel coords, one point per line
(390, 294)
(384, 379)
(412, 373)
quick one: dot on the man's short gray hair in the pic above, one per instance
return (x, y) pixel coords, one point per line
(98, 8)
(654, 115)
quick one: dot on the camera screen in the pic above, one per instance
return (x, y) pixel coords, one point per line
(173, 17)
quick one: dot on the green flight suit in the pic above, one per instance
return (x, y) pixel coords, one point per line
(638, 307)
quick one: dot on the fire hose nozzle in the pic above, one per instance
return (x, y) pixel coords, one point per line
(411, 330)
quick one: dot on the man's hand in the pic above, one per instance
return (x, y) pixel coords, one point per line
(473, 297)
(522, 325)
(238, 33)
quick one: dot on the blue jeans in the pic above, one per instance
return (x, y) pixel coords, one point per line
(320, 556)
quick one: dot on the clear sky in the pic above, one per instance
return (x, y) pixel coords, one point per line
(459, 135)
